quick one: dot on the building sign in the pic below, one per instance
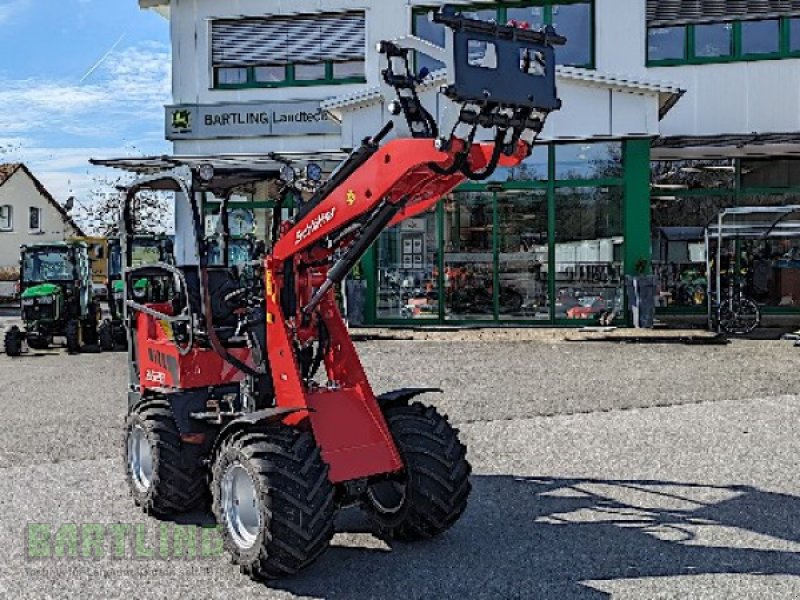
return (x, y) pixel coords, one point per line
(257, 119)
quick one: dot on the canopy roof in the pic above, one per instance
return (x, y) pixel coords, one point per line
(260, 163)
(757, 222)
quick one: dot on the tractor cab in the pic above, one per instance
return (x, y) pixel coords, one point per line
(217, 251)
(147, 249)
(57, 297)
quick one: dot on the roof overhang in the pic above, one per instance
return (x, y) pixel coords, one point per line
(726, 146)
(159, 6)
(668, 93)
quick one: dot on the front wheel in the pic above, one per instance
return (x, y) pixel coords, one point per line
(273, 500)
(431, 493)
(72, 335)
(13, 341)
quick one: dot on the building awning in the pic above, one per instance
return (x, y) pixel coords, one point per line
(682, 147)
(681, 12)
(668, 93)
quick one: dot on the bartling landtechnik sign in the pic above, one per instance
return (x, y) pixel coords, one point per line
(258, 119)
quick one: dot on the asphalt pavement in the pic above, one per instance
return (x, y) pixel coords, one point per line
(601, 470)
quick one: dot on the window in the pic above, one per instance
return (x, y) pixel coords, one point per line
(588, 251)
(310, 72)
(794, 35)
(713, 40)
(770, 172)
(589, 161)
(35, 219)
(761, 37)
(348, 69)
(274, 74)
(666, 43)
(574, 20)
(320, 49)
(6, 218)
(231, 75)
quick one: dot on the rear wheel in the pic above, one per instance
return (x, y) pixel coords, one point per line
(161, 482)
(72, 334)
(273, 500)
(13, 341)
(431, 493)
(105, 334)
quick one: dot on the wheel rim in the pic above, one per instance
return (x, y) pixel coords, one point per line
(140, 458)
(241, 507)
(389, 496)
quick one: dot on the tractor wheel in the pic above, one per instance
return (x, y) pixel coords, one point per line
(273, 500)
(13, 341)
(431, 493)
(89, 325)
(105, 334)
(159, 480)
(72, 333)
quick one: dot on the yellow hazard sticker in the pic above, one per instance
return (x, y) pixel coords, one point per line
(167, 328)
(270, 285)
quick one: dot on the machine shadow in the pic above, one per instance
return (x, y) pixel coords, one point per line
(545, 538)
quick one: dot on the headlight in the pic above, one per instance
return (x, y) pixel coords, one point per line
(288, 174)
(314, 172)
(206, 172)
(46, 300)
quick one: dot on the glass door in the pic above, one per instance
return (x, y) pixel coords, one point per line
(522, 256)
(469, 256)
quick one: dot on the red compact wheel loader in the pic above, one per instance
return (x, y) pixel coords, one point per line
(245, 387)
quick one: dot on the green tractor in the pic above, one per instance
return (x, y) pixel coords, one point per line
(56, 298)
(146, 250)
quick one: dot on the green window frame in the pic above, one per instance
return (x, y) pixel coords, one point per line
(633, 183)
(739, 194)
(289, 80)
(547, 5)
(690, 57)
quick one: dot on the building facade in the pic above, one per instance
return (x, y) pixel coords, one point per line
(28, 214)
(669, 113)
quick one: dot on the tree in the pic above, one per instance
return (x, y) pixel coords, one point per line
(152, 210)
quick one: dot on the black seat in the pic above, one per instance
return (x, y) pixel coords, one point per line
(221, 282)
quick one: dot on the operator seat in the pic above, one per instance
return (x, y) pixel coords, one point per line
(221, 282)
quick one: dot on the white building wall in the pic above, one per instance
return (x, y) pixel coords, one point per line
(734, 98)
(589, 110)
(20, 192)
(620, 32)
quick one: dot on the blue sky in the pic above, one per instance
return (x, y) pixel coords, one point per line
(55, 112)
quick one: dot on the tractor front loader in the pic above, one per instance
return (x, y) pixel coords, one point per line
(248, 391)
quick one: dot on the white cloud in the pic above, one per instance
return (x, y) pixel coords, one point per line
(132, 85)
(11, 8)
(55, 126)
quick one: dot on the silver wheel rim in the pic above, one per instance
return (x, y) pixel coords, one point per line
(388, 497)
(241, 507)
(140, 458)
